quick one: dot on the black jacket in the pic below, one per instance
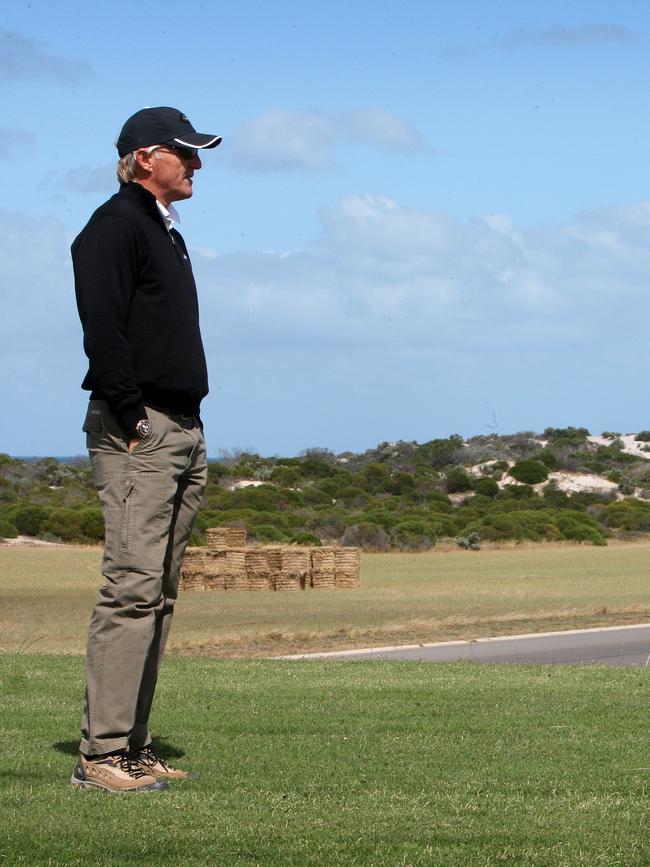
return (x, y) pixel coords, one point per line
(138, 306)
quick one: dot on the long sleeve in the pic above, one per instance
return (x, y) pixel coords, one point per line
(105, 260)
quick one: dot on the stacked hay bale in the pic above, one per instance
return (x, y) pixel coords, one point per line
(227, 564)
(347, 567)
(259, 569)
(294, 572)
(192, 569)
(220, 538)
(323, 568)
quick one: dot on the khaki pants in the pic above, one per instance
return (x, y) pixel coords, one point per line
(150, 499)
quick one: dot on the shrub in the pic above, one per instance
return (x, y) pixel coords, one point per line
(366, 535)
(517, 492)
(643, 436)
(413, 536)
(267, 533)
(458, 481)
(305, 539)
(7, 529)
(288, 477)
(566, 436)
(530, 471)
(487, 487)
(29, 519)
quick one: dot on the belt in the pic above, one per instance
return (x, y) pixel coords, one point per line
(180, 418)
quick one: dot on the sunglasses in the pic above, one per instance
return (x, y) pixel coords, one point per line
(183, 151)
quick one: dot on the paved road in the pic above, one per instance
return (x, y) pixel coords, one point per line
(618, 645)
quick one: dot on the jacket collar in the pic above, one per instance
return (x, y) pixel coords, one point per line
(143, 199)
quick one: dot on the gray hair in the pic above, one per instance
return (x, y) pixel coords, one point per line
(126, 166)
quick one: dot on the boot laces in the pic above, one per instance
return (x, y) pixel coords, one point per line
(148, 756)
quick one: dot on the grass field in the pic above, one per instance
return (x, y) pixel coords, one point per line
(47, 595)
(333, 763)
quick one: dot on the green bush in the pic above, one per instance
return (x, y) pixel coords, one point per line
(267, 533)
(30, 519)
(530, 471)
(413, 536)
(288, 477)
(366, 535)
(7, 529)
(487, 487)
(458, 480)
(305, 539)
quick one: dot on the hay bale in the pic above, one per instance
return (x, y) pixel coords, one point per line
(218, 538)
(192, 570)
(235, 577)
(294, 569)
(258, 570)
(323, 568)
(215, 571)
(347, 562)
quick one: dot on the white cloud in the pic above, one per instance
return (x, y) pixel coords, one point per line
(387, 297)
(24, 59)
(381, 272)
(280, 140)
(13, 143)
(81, 179)
(589, 34)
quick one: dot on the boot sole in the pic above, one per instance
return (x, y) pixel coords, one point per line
(158, 786)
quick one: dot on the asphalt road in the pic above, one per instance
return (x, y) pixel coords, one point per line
(618, 645)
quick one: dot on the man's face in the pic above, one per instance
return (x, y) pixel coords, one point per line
(171, 173)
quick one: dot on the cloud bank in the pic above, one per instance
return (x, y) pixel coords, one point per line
(23, 59)
(395, 322)
(588, 35)
(280, 140)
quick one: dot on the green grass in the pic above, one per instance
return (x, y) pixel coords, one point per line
(333, 763)
(47, 596)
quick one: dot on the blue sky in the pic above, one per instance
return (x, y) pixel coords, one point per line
(425, 217)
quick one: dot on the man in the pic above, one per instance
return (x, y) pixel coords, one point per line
(147, 375)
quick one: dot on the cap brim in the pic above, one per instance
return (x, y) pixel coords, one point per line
(198, 140)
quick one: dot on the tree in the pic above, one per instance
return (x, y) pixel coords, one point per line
(530, 471)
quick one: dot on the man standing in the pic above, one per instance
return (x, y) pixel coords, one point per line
(147, 375)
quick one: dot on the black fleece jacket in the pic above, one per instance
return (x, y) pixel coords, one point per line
(138, 306)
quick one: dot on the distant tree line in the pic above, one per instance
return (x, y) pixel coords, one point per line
(400, 496)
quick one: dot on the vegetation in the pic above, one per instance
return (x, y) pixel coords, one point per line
(405, 598)
(403, 495)
(340, 763)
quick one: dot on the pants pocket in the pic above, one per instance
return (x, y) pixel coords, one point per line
(125, 529)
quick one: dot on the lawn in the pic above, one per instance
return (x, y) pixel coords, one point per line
(47, 595)
(340, 763)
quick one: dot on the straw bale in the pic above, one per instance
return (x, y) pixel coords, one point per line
(258, 570)
(192, 569)
(214, 581)
(225, 537)
(323, 568)
(283, 581)
(296, 561)
(322, 560)
(348, 567)
(235, 560)
(235, 581)
(323, 580)
(191, 579)
(257, 562)
(274, 559)
(260, 582)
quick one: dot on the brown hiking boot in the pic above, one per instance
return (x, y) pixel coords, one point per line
(153, 764)
(117, 772)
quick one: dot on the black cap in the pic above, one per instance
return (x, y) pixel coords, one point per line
(162, 125)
